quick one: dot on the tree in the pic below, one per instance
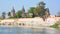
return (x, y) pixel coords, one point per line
(40, 9)
(58, 14)
(3, 15)
(31, 10)
(42, 4)
(9, 13)
(19, 14)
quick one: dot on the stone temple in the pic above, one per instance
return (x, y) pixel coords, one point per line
(13, 12)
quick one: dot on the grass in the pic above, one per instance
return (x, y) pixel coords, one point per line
(55, 26)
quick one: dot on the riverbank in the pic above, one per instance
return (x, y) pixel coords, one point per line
(28, 22)
(20, 30)
(25, 26)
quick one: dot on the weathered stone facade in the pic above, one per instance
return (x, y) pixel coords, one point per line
(13, 12)
(23, 12)
(33, 21)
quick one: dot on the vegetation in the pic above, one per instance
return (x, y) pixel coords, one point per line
(19, 14)
(55, 25)
(9, 13)
(38, 11)
(58, 14)
(31, 11)
(11, 17)
(1, 18)
(3, 15)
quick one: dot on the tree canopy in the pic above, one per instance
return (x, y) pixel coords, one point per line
(38, 11)
(58, 14)
(19, 14)
(31, 11)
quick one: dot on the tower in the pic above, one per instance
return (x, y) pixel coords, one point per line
(13, 12)
(23, 12)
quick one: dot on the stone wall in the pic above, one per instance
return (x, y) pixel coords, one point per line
(32, 21)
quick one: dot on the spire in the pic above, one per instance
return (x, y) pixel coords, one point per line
(13, 11)
(23, 12)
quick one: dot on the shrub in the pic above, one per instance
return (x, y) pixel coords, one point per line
(55, 25)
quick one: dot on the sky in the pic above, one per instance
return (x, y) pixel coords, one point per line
(6, 5)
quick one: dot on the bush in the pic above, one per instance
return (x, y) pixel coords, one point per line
(55, 25)
(1, 18)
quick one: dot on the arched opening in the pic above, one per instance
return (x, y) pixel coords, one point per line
(19, 23)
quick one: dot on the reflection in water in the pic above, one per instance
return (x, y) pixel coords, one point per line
(17, 30)
(50, 31)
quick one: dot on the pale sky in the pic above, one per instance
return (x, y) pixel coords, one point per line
(6, 5)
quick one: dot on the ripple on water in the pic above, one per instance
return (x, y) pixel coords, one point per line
(17, 30)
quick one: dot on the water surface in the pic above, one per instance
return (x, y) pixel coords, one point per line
(20, 30)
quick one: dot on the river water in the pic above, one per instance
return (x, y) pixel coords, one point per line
(20, 30)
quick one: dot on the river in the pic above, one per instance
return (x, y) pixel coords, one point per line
(21, 30)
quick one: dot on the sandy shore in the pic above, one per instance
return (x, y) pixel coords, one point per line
(24, 26)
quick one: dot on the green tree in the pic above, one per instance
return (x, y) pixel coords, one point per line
(9, 13)
(3, 15)
(31, 10)
(19, 14)
(40, 10)
(55, 25)
(1, 18)
(58, 14)
(42, 4)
